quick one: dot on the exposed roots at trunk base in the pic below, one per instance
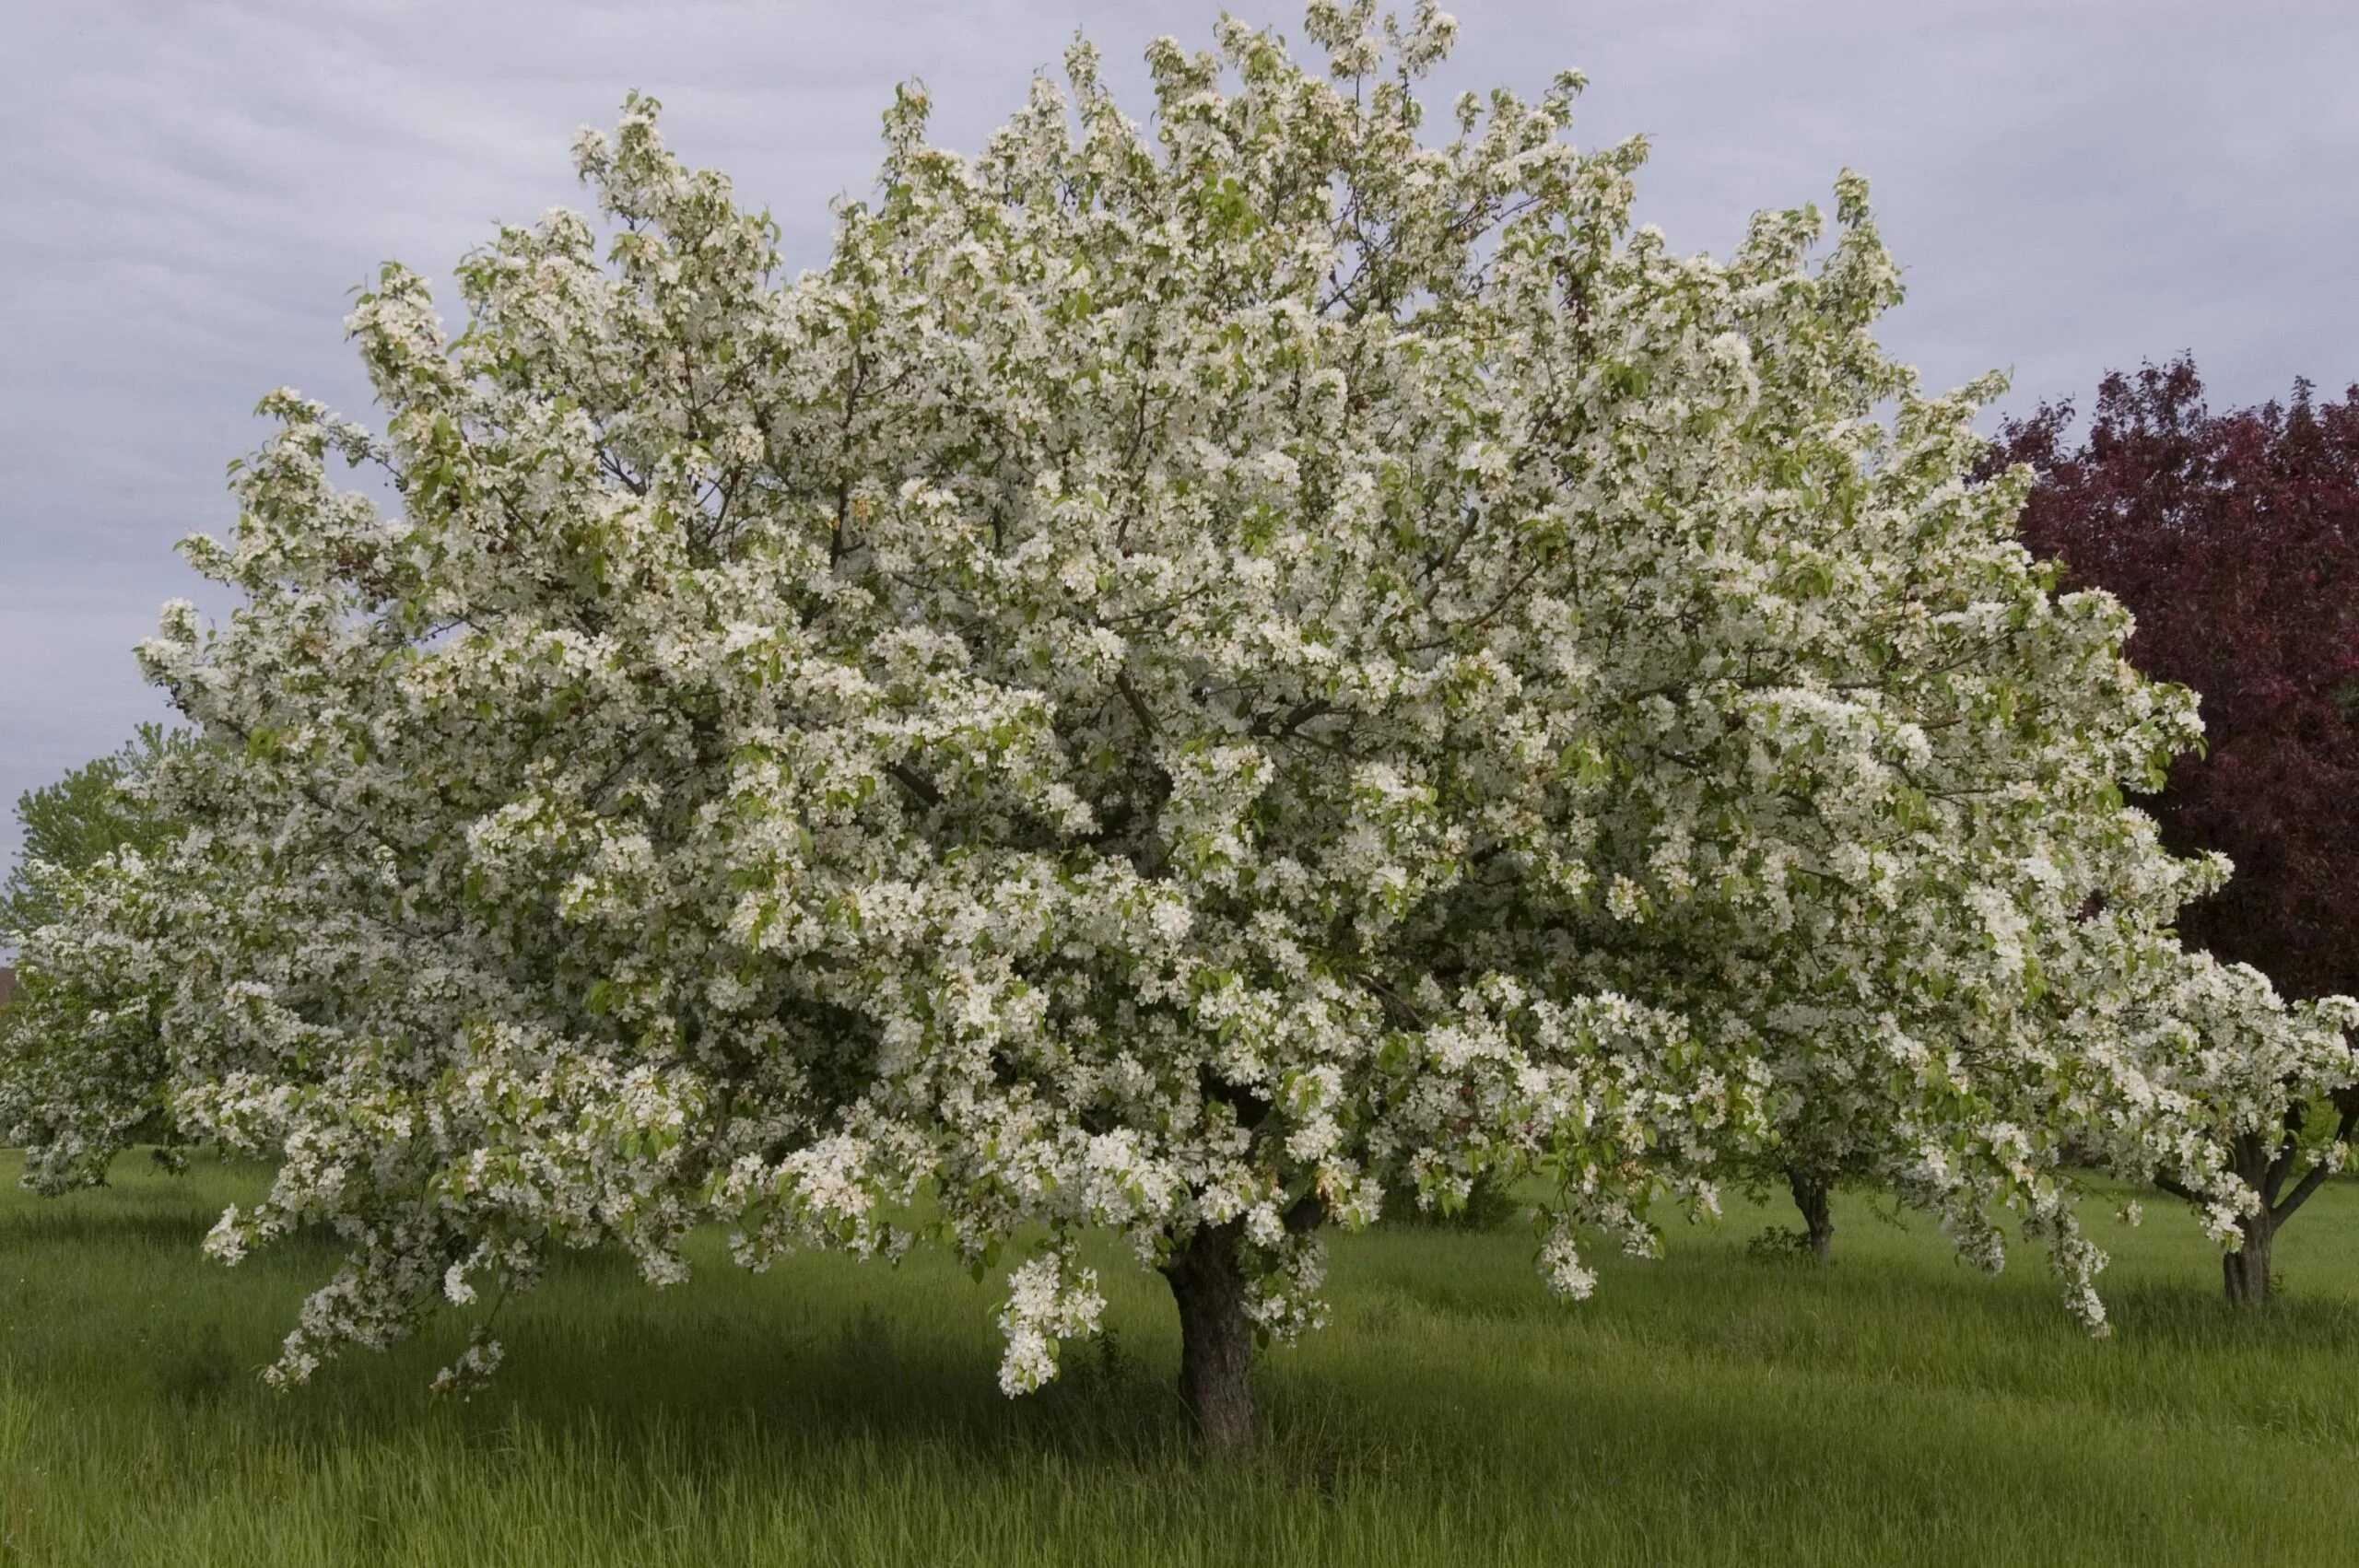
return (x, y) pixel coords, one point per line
(1216, 1338)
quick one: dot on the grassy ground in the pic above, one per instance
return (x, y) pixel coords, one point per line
(1706, 1409)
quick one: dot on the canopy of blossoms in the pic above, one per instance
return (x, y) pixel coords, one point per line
(1188, 678)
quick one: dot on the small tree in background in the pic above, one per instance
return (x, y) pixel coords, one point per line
(81, 1070)
(66, 827)
(2233, 538)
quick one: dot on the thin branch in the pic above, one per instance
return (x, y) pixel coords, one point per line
(1391, 997)
(1281, 727)
(1137, 703)
(2314, 1177)
(916, 783)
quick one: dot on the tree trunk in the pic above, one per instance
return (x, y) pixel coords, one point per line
(1810, 1197)
(1215, 1338)
(2245, 1271)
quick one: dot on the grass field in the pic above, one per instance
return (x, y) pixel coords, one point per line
(1704, 1409)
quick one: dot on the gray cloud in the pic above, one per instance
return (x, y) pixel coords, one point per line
(190, 191)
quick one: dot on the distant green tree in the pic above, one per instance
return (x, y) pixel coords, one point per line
(112, 1065)
(68, 826)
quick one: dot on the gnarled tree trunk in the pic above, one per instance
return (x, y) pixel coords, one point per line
(1215, 1338)
(1818, 1221)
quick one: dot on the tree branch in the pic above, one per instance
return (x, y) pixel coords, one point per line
(916, 783)
(2314, 1177)
(1386, 994)
(1137, 703)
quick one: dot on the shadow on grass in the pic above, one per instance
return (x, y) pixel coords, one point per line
(727, 1376)
(82, 1224)
(2193, 1318)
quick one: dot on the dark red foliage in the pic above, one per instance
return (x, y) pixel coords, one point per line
(2234, 539)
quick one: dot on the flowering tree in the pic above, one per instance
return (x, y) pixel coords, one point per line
(1186, 681)
(74, 1106)
(66, 827)
(2234, 539)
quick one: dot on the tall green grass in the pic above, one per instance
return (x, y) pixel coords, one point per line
(1704, 1409)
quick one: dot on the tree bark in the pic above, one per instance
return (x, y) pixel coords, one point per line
(1215, 1338)
(2245, 1271)
(1810, 1197)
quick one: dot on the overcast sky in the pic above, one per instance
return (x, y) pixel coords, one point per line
(188, 191)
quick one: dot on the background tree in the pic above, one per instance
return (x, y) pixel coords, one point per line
(1186, 682)
(83, 1064)
(2233, 538)
(96, 810)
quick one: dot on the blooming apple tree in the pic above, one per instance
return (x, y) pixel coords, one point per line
(1189, 679)
(74, 1106)
(2229, 535)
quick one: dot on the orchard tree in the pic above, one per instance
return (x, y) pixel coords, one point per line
(75, 1106)
(2235, 540)
(66, 827)
(1188, 680)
